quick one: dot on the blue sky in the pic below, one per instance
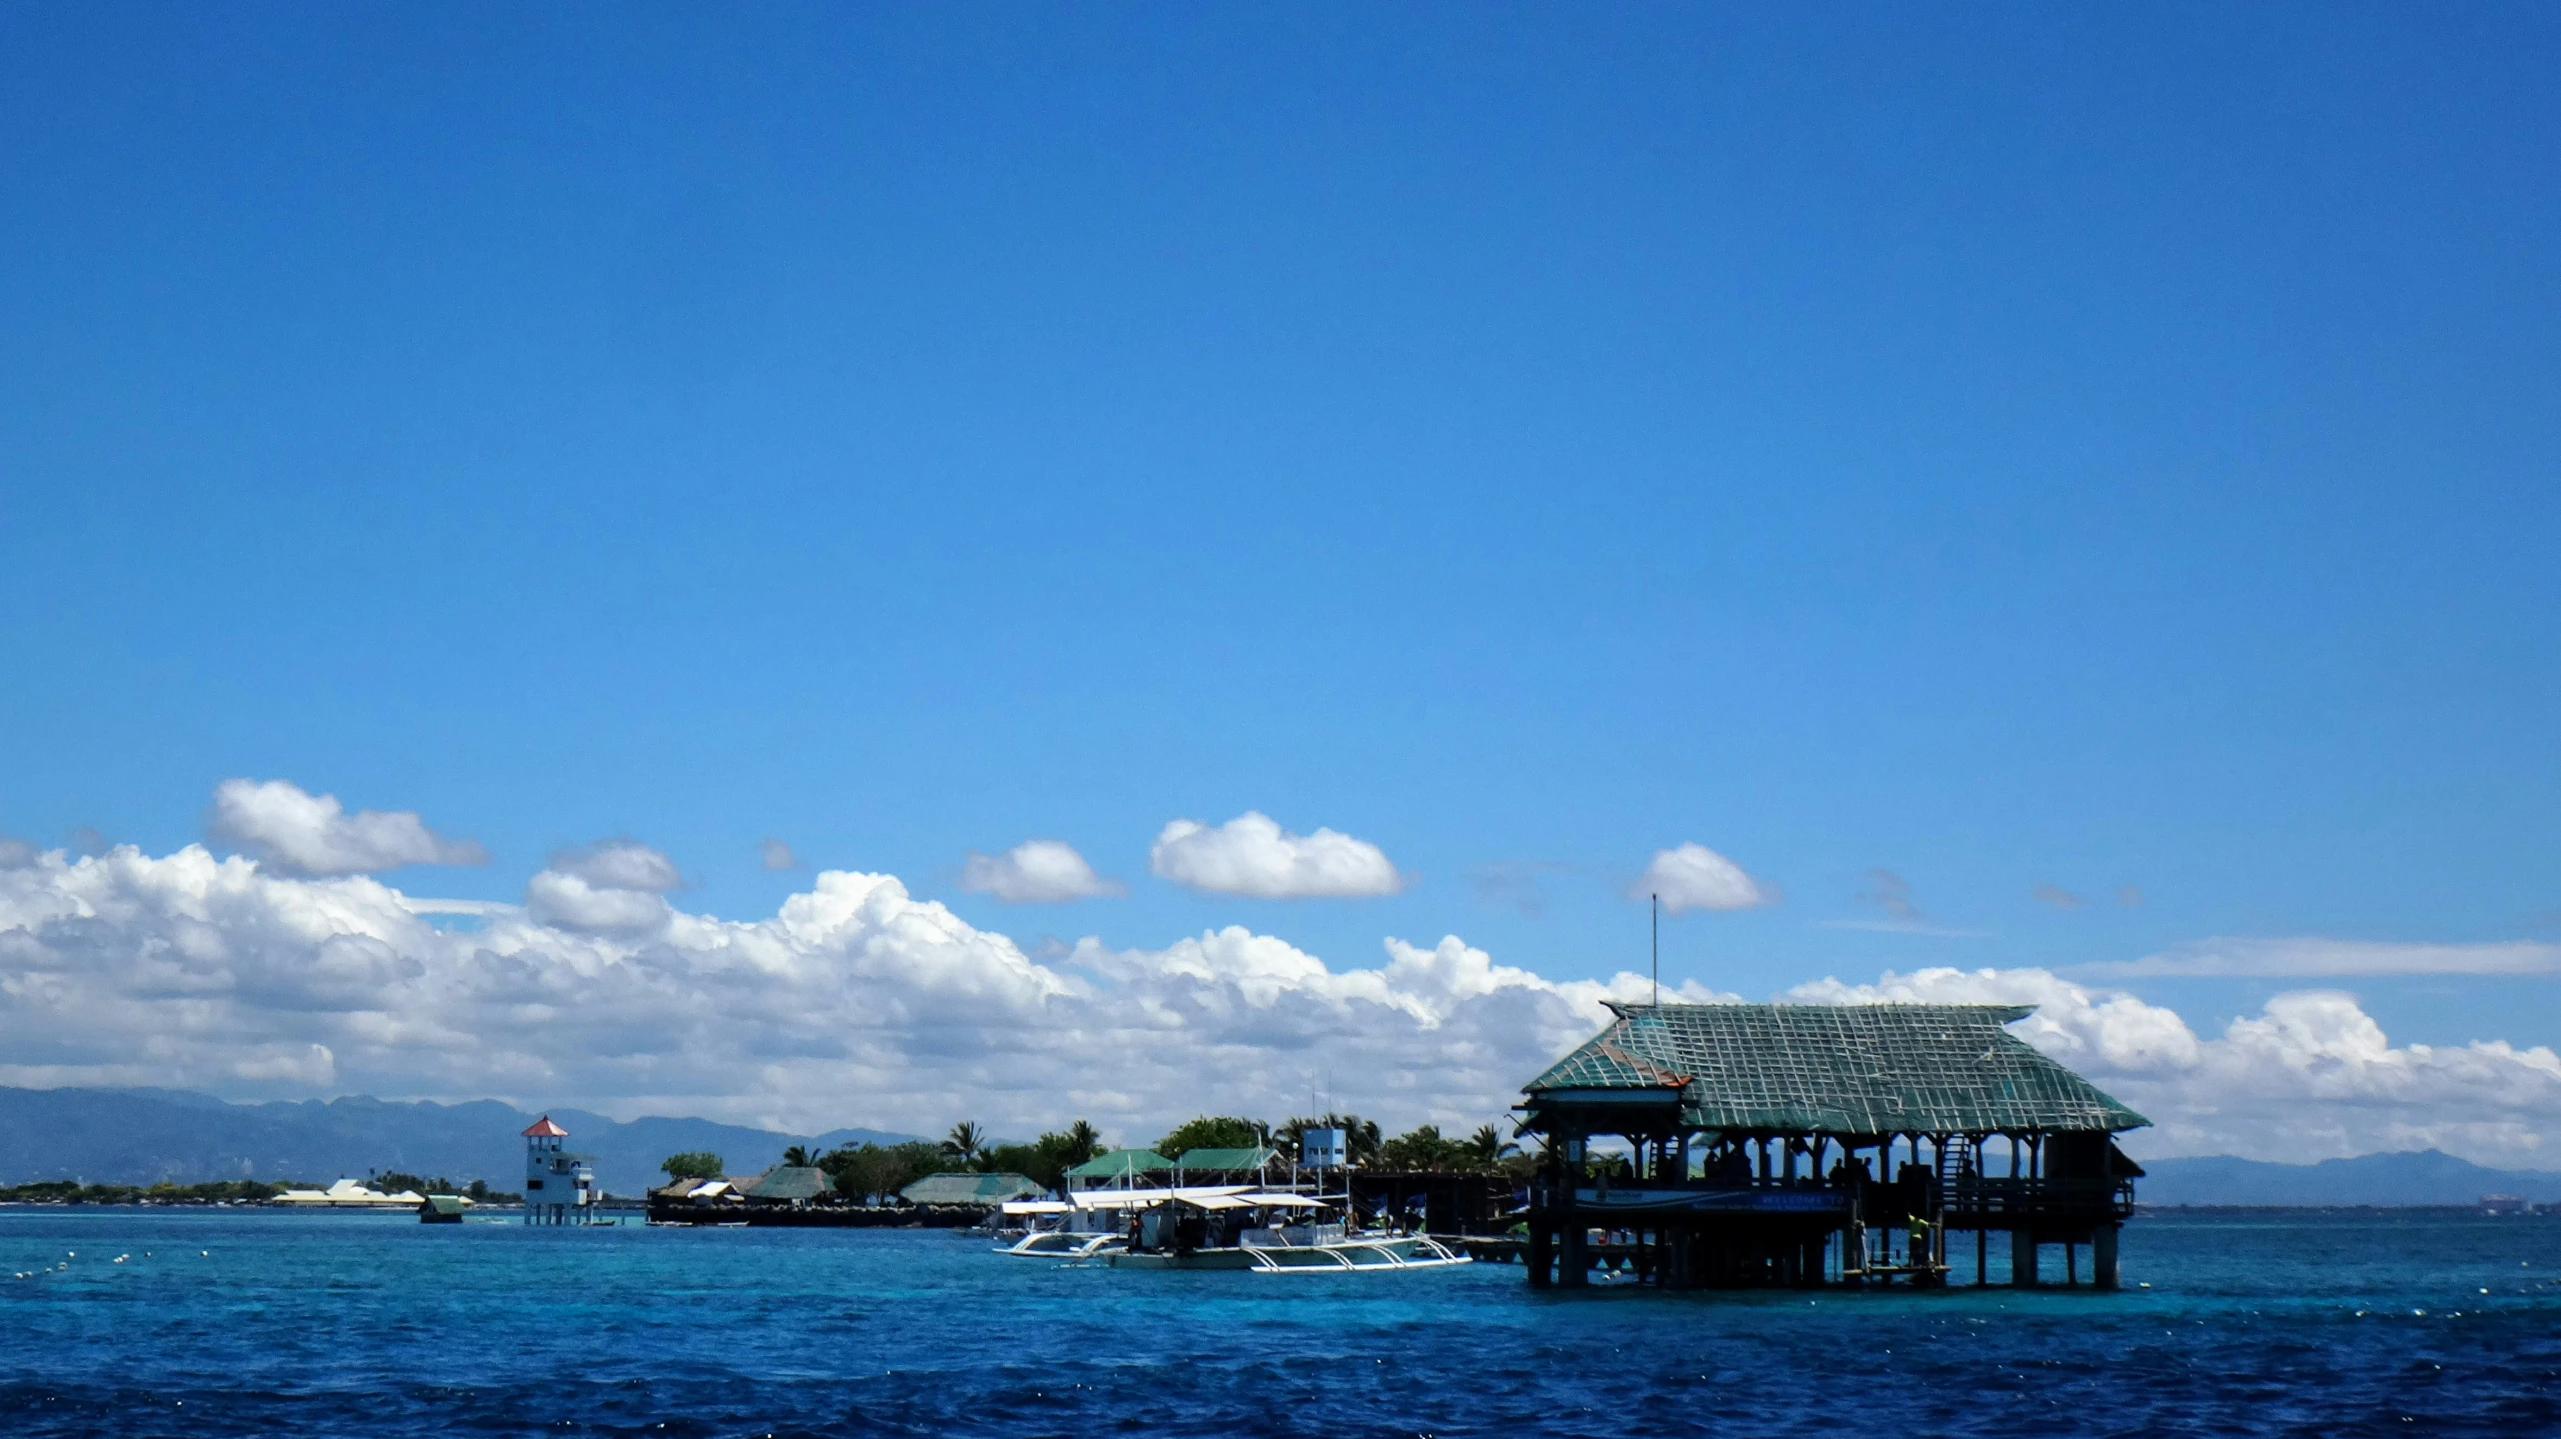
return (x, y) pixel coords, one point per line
(2005, 446)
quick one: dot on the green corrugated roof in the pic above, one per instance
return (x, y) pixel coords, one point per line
(1118, 1162)
(970, 1189)
(1251, 1157)
(1838, 1069)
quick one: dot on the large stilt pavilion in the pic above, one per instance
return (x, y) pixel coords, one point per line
(1808, 1144)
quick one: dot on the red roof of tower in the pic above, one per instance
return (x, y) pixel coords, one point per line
(543, 1128)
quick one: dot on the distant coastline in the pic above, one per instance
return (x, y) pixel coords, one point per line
(168, 1147)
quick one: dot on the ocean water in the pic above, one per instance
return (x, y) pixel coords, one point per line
(229, 1322)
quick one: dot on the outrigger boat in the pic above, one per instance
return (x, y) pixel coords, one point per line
(1230, 1226)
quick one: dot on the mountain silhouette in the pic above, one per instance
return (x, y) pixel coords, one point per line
(143, 1136)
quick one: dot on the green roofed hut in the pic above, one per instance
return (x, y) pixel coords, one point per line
(790, 1184)
(1249, 1165)
(1817, 1143)
(1118, 1169)
(970, 1191)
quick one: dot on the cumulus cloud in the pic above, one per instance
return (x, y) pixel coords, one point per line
(2310, 958)
(776, 855)
(1037, 871)
(615, 887)
(2311, 1076)
(1252, 855)
(1692, 876)
(855, 1002)
(15, 852)
(296, 832)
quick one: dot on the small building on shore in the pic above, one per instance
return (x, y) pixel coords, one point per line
(1252, 1164)
(346, 1194)
(793, 1184)
(981, 1192)
(1119, 1169)
(1801, 1144)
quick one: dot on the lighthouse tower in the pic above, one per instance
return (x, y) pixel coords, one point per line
(558, 1185)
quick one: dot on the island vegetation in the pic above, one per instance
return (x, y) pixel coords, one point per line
(874, 1173)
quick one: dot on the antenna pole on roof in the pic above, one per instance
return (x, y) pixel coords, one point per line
(1654, 903)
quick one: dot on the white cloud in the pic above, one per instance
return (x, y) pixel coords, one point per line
(2311, 958)
(2311, 1076)
(302, 833)
(776, 855)
(1252, 855)
(854, 1003)
(620, 864)
(611, 888)
(857, 1003)
(1037, 871)
(1692, 876)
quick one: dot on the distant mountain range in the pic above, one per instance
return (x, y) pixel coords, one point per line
(2425, 1177)
(142, 1136)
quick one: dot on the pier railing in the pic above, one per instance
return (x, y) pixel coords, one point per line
(1965, 1202)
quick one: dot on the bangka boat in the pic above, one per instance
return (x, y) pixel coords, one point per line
(1218, 1227)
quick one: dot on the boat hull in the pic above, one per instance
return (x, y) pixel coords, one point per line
(1196, 1259)
(1358, 1256)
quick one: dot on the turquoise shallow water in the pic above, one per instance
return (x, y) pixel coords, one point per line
(227, 1322)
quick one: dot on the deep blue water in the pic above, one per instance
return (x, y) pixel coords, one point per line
(222, 1322)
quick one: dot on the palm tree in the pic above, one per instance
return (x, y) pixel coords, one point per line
(965, 1141)
(1487, 1146)
(799, 1157)
(1083, 1140)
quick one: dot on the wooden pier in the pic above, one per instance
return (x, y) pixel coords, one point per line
(1803, 1145)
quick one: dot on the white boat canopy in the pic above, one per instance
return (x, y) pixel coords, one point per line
(1145, 1198)
(1212, 1201)
(1036, 1206)
(1282, 1201)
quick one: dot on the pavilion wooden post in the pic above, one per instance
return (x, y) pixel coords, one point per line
(2103, 1256)
(2023, 1258)
(1573, 1258)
